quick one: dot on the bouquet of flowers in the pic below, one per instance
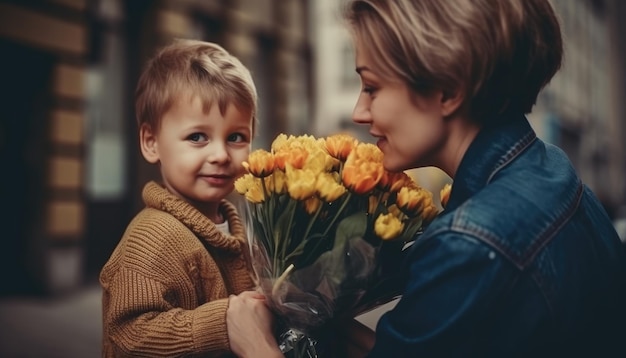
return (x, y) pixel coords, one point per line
(329, 227)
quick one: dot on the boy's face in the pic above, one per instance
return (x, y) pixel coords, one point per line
(200, 154)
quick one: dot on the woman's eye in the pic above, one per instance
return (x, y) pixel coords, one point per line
(369, 90)
(237, 137)
(197, 137)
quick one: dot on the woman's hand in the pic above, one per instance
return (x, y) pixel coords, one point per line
(249, 323)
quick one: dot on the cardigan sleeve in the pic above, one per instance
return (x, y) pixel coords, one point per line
(142, 321)
(153, 303)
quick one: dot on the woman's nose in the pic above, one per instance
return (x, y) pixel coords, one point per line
(361, 113)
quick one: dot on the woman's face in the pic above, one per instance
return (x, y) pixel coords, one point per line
(410, 128)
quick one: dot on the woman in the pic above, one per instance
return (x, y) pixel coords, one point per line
(524, 261)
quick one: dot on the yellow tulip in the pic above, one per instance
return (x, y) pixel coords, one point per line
(308, 142)
(243, 183)
(300, 183)
(328, 188)
(250, 187)
(387, 226)
(316, 161)
(260, 163)
(369, 152)
(280, 142)
(255, 193)
(277, 182)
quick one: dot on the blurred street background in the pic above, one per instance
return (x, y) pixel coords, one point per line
(72, 172)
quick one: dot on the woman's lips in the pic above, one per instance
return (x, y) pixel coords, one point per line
(381, 142)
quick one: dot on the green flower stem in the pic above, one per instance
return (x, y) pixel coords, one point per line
(312, 221)
(319, 242)
(300, 247)
(282, 278)
(343, 206)
(266, 215)
(268, 219)
(288, 233)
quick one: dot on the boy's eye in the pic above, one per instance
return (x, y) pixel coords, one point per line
(197, 137)
(237, 137)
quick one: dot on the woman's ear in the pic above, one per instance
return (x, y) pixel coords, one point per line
(148, 144)
(451, 101)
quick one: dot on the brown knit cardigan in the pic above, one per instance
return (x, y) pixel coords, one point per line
(166, 285)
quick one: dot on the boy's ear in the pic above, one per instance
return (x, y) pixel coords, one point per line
(451, 101)
(148, 144)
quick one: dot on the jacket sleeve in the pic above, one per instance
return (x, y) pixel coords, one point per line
(452, 282)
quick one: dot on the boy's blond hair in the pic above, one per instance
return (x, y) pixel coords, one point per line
(195, 67)
(499, 54)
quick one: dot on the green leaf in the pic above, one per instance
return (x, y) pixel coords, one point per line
(334, 268)
(352, 226)
(412, 228)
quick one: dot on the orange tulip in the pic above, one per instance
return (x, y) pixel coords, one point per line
(260, 163)
(429, 213)
(393, 181)
(296, 157)
(411, 201)
(361, 177)
(444, 194)
(312, 204)
(340, 145)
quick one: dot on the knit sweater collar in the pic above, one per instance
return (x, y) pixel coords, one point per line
(156, 196)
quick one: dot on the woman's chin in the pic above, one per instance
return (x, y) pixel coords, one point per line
(392, 166)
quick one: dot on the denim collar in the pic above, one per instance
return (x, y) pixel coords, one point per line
(493, 148)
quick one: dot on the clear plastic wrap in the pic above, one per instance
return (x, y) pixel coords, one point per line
(328, 232)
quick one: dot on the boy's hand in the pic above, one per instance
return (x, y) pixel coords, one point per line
(249, 324)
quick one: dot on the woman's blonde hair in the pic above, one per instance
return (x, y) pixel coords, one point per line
(193, 67)
(499, 53)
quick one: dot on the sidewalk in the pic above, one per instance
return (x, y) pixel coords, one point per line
(66, 327)
(70, 326)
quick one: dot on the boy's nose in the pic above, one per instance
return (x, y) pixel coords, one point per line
(217, 152)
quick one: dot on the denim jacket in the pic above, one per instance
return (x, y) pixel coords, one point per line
(524, 262)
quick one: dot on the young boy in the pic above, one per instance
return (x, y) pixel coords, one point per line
(176, 285)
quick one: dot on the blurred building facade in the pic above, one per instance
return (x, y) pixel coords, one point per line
(73, 174)
(581, 110)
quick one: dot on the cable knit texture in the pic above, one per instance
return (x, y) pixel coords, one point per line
(166, 284)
